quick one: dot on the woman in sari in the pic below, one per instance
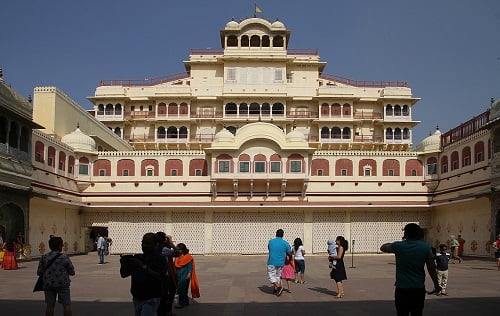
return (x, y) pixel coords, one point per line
(186, 275)
(9, 258)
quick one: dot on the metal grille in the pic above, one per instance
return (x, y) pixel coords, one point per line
(327, 225)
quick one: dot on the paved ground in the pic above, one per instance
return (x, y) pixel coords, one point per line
(237, 285)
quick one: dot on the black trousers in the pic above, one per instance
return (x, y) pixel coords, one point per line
(409, 301)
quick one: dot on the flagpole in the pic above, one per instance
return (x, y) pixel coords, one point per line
(255, 10)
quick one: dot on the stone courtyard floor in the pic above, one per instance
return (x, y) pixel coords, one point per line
(237, 285)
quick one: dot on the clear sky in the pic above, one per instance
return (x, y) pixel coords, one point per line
(447, 50)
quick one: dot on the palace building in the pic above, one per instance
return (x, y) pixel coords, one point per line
(252, 137)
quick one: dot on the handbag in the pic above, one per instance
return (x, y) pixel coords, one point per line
(39, 283)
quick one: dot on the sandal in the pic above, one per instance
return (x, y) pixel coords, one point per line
(288, 291)
(302, 282)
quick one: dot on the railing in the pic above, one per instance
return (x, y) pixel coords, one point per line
(137, 139)
(173, 115)
(206, 51)
(202, 138)
(367, 115)
(368, 139)
(303, 51)
(144, 82)
(302, 114)
(364, 83)
(139, 114)
(203, 114)
(466, 129)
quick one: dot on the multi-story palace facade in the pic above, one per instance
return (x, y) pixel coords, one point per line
(253, 137)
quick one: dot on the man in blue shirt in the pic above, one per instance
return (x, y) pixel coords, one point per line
(278, 249)
(411, 256)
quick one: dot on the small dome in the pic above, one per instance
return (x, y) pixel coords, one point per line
(232, 24)
(277, 24)
(495, 110)
(224, 136)
(79, 141)
(295, 136)
(430, 143)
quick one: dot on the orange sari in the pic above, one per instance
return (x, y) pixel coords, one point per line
(179, 263)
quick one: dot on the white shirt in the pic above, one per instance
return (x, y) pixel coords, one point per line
(101, 243)
(298, 255)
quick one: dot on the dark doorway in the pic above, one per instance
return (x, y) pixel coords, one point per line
(94, 231)
(12, 221)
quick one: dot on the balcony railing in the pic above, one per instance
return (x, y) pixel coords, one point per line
(466, 129)
(202, 138)
(139, 115)
(172, 115)
(367, 115)
(206, 51)
(302, 114)
(363, 83)
(207, 114)
(303, 51)
(368, 139)
(144, 82)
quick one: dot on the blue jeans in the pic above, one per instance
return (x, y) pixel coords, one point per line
(146, 307)
(100, 252)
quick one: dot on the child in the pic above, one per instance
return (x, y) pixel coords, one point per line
(332, 252)
(288, 272)
(442, 259)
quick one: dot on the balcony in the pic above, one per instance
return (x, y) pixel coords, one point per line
(144, 82)
(363, 83)
(109, 116)
(365, 115)
(139, 115)
(207, 114)
(368, 139)
(177, 116)
(302, 114)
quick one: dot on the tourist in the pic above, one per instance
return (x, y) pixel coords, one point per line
(55, 269)
(411, 256)
(166, 249)
(496, 246)
(186, 275)
(332, 252)
(442, 259)
(278, 249)
(338, 273)
(454, 249)
(9, 257)
(147, 270)
(288, 272)
(461, 243)
(300, 263)
(101, 248)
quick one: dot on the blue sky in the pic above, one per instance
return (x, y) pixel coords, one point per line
(447, 50)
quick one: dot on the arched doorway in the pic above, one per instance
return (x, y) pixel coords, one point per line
(12, 221)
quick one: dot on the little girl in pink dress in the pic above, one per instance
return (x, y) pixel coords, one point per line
(288, 272)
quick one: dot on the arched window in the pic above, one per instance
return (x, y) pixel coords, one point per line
(388, 110)
(255, 41)
(172, 132)
(161, 132)
(346, 133)
(336, 109)
(388, 133)
(162, 109)
(183, 109)
(118, 131)
(265, 41)
(397, 133)
(278, 41)
(245, 42)
(466, 161)
(346, 109)
(265, 109)
(397, 110)
(51, 156)
(325, 109)
(406, 110)
(232, 41)
(243, 109)
(125, 167)
(173, 109)
(325, 133)
(406, 133)
(83, 166)
(343, 167)
(118, 109)
(254, 109)
(336, 133)
(71, 164)
(231, 108)
(25, 139)
(149, 168)
(3, 130)
(100, 109)
(232, 129)
(432, 166)
(454, 160)
(278, 108)
(62, 161)
(479, 152)
(109, 109)
(13, 134)
(183, 132)
(444, 164)
(39, 151)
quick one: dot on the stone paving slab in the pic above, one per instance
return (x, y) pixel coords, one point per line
(237, 285)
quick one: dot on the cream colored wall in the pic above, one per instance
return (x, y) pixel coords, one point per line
(471, 219)
(51, 218)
